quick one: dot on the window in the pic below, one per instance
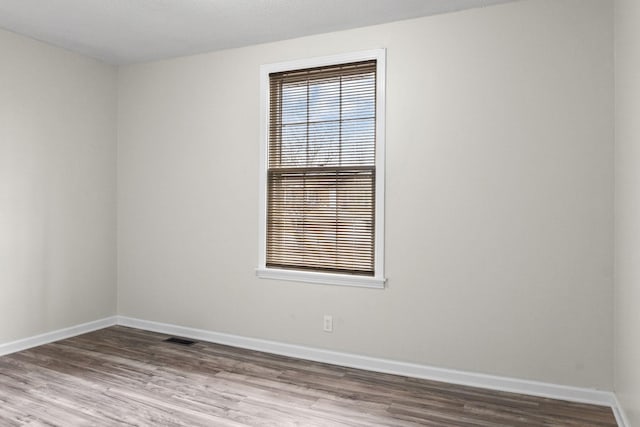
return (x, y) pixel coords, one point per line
(322, 170)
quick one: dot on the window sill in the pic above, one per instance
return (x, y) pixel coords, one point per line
(321, 278)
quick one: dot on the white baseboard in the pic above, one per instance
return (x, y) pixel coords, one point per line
(618, 411)
(60, 334)
(554, 391)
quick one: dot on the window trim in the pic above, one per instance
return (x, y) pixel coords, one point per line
(378, 280)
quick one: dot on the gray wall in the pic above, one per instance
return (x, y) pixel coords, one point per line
(627, 208)
(57, 188)
(499, 192)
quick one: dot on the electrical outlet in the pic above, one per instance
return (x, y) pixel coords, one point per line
(328, 323)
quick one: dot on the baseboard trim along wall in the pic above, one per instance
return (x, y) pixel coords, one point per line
(618, 411)
(491, 382)
(60, 334)
(553, 391)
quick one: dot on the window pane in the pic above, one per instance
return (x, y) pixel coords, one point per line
(324, 144)
(359, 97)
(294, 103)
(324, 100)
(293, 149)
(358, 139)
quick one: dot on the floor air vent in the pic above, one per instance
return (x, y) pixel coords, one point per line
(181, 341)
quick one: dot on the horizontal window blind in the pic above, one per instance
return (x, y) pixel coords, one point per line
(321, 169)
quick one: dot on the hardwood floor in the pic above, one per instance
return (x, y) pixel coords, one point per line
(123, 376)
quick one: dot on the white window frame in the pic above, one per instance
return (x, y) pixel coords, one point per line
(378, 280)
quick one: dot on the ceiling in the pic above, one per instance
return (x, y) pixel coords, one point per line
(128, 31)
